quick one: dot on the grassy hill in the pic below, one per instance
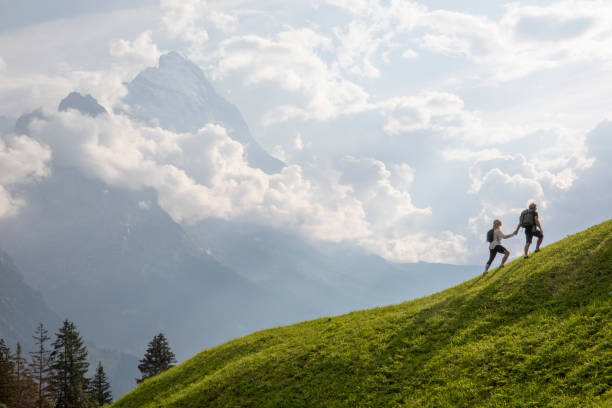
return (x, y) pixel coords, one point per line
(537, 333)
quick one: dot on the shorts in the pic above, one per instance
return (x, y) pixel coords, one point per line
(530, 233)
(494, 251)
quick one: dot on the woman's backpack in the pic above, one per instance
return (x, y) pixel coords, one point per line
(490, 235)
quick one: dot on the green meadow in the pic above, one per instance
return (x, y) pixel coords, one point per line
(537, 333)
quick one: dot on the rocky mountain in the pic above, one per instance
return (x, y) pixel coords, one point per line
(177, 96)
(86, 104)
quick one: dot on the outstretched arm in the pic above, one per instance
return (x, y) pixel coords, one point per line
(518, 227)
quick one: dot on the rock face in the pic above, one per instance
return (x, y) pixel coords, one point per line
(86, 104)
(177, 96)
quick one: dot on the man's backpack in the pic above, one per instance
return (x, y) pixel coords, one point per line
(490, 235)
(527, 219)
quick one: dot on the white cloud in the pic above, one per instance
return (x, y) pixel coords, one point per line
(22, 160)
(435, 111)
(402, 175)
(187, 20)
(205, 175)
(25, 93)
(425, 247)
(2, 65)
(357, 49)
(137, 54)
(182, 20)
(398, 226)
(524, 40)
(290, 59)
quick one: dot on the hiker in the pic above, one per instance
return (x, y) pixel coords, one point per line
(530, 221)
(494, 237)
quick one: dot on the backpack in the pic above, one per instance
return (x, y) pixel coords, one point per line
(490, 235)
(527, 219)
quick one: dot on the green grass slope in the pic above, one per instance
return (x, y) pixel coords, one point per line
(537, 333)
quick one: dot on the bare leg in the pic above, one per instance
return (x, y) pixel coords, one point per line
(486, 268)
(527, 249)
(506, 255)
(539, 242)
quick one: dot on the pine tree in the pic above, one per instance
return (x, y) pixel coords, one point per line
(20, 373)
(70, 364)
(41, 369)
(157, 359)
(100, 387)
(24, 388)
(7, 379)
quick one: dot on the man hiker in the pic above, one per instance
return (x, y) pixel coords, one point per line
(494, 237)
(529, 220)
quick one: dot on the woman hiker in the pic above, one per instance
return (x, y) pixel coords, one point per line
(495, 245)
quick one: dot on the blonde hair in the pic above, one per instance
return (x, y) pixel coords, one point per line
(532, 206)
(497, 223)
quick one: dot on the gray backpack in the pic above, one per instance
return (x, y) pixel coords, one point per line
(527, 219)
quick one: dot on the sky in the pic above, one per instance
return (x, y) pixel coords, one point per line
(407, 127)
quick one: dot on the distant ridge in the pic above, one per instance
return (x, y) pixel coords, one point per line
(537, 333)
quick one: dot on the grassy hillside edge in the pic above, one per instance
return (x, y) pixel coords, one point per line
(536, 333)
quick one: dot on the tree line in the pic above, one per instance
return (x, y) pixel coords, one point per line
(55, 374)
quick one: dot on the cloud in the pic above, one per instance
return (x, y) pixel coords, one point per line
(205, 175)
(425, 247)
(2, 65)
(181, 19)
(433, 110)
(387, 206)
(186, 20)
(22, 160)
(197, 176)
(357, 49)
(142, 52)
(399, 228)
(524, 40)
(291, 60)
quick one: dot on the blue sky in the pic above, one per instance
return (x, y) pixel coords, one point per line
(407, 127)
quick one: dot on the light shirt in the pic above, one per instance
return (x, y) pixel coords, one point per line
(498, 235)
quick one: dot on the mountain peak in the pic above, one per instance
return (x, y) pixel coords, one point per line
(86, 104)
(171, 59)
(177, 95)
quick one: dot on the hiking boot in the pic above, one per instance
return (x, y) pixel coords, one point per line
(537, 250)
(525, 257)
(501, 266)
